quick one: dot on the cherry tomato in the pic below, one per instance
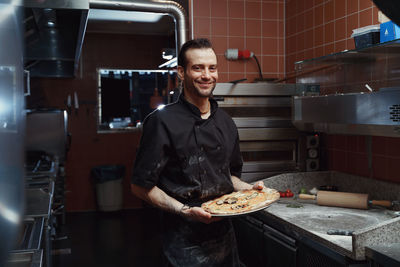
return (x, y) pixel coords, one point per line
(282, 194)
(288, 191)
(289, 194)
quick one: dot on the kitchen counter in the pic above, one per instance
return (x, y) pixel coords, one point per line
(372, 226)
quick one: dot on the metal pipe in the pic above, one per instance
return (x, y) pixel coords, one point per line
(171, 8)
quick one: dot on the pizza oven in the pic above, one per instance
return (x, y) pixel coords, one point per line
(269, 142)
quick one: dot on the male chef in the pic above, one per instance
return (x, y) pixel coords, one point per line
(189, 153)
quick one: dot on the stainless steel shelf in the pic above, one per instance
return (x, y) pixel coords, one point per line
(29, 258)
(255, 122)
(355, 56)
(254, 134)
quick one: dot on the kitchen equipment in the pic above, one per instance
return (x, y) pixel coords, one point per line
(378, 115)
(12, 126)
(54, 33)
(46, 130)
(262, 113)
(30, 258)
(345, 200)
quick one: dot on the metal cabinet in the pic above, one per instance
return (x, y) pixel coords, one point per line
(250, 239)
(280, 249)
(262, 243)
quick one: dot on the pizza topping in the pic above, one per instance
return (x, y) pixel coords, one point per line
(220, 202)
(240, 206)
(252, 195)
(231, 200)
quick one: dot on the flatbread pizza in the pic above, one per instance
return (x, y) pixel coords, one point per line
(240, 202)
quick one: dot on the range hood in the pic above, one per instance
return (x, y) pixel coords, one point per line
(375, 113)
(54, 32)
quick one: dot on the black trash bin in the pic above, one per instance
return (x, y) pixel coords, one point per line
(108, 182)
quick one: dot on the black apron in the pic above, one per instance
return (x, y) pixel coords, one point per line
(192, 244)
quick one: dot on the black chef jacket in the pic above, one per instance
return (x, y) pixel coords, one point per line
(192, 160)
(189, 158)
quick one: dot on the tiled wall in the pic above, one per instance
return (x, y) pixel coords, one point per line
(243, 24)
(320, 27)
(315, 28)
(350, 154)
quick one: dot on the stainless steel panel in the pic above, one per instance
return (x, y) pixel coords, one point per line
(31, 234)
(47, 131)
(248, 134)
(255, 101)
(54, 33)
(31, 258)
(38, 203)
(12, 126)
(256, 176)
(262, 122)
(262, 166)
(59, 4)
(376, 113)
(257, 89)
(267, 146)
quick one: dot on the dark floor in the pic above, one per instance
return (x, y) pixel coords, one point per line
(109, 239)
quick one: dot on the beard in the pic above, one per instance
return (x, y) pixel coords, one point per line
(191, 87)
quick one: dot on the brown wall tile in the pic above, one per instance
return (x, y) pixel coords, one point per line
(236, 9)
(363, 4)
(219, 8)
(352, 6)
(329, 11)
(236, 27)
(254, 45)
(253, 28)
(220, 44)
(329, 32)
(269, 28)
(201, 8)
(253, 10)
(366, 17)
(270, 46)
(340, 8)
(270, 11)
(219, 27)
(340, 29)
(202, 25)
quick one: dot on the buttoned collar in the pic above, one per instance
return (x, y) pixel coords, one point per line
(194, 109)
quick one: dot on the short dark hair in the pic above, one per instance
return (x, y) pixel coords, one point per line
(192, 44)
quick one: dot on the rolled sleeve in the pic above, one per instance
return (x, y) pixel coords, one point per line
(151, 157)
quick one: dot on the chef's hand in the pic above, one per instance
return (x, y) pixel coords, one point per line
(259, 185)
(198, 214)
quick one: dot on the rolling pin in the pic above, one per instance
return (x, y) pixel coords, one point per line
(345, 200)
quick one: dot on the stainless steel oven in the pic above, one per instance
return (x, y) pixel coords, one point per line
(262, 112)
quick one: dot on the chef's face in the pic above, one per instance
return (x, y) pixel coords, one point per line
(201, 74)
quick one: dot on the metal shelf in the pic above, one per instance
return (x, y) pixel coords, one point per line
(355, 56)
